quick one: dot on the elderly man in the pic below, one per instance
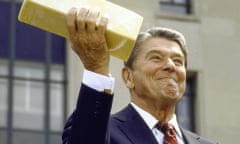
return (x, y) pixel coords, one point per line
(155, 75)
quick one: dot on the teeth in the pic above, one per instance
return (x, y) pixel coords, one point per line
(50, 15)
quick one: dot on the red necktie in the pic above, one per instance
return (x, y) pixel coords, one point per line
(169, 134)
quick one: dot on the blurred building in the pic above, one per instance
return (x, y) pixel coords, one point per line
(40, 75)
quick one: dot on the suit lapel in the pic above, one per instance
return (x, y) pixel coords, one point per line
(191, 138)
(134, 127)
(136, 130)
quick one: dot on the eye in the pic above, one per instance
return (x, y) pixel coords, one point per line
(155, 57)
(178, 61)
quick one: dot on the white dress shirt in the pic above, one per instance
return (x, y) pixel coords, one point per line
(151, 122)
(101, 82)
(97, 81)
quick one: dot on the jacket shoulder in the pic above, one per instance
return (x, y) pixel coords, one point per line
(193, 138)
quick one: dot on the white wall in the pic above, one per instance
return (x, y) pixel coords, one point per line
(221, 36)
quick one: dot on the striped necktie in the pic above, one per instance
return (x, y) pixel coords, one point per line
(169, 133)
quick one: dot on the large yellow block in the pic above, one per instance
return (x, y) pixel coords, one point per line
(50, 15)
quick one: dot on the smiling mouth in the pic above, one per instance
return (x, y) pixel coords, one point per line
(167, 78)
(171, 87)
(169, 82)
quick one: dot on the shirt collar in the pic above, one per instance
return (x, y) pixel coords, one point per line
(151, 121)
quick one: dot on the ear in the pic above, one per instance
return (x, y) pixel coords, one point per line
(127, 77)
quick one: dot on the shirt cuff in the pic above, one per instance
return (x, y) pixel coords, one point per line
(97, 81)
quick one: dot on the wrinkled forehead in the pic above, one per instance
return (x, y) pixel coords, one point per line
(158, 43)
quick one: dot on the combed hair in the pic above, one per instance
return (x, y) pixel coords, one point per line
(157, 32)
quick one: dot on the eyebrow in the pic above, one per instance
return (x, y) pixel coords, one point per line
(161, 53)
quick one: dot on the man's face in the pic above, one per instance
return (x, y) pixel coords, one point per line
(159, 71)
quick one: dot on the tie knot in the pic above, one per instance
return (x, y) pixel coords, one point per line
(166, 127)
(169, 133)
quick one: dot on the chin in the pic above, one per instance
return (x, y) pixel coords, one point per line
(173, 96)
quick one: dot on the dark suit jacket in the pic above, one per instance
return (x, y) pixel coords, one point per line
(91, 123)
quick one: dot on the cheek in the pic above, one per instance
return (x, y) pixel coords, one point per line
(150, 69)
(181, 75)
(182, 80)
(142, 77)
(143, 70)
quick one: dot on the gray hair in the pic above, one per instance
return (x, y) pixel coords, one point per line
(160, 32)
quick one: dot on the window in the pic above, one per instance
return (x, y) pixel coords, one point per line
(4, 92)
(29, 96)
(32, 81)
(186, 107)
(183, 7)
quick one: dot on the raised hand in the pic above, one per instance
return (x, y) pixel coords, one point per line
(86, 29)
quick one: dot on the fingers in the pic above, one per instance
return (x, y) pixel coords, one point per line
(103, 24)
(86, 20)
(86, 32)
(92, 18)
(71, 21)
(82, 19)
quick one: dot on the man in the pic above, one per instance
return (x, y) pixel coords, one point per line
(155, 75)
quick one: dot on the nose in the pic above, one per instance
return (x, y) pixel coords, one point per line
(169, 65)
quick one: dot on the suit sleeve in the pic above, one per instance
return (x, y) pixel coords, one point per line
(88, 123)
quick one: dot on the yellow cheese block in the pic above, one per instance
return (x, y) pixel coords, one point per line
(50, 15)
